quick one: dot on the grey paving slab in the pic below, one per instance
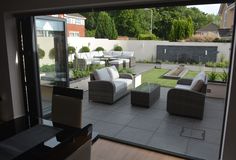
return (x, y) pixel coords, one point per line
(106, 128)
(118, 118)
(203, 150)
(170, 129)
(136, 124)
(213, 136)
(145, 123)
(134, 135)
(175, 144)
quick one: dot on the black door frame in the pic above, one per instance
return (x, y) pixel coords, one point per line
(29, 65)
(187, 2)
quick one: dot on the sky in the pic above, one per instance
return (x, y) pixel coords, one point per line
(210, 8)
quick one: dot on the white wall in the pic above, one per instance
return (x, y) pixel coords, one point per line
(143, 49)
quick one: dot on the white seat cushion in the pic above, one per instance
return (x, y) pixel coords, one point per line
(98, 62)
(102, 74)
(118, 61)
(114, 74)
(126, 81)
(120, 86)
(179, 86)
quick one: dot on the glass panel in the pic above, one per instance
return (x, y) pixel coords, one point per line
(51, 42)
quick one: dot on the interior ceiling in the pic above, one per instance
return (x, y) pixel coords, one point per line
(73, 6)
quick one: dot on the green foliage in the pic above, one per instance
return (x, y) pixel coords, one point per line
(90, 33)
(210, 64)
(84, 49)
(52, 53)
(129, 23)
(118, 48)
(224, 64)
(93, 67)
(71, 49)
(99, 49)
(126, 70)
(105, 27)
(164, 17)
(212, 76)
(47, 68)
(181, 29)
(70, 65)
(147, 37)
(77, 73)
(224, 76)
(41, 53)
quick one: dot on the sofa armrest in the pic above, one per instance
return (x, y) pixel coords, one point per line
(185, 96)
(101, 86)
(184, 81)
(126, 76)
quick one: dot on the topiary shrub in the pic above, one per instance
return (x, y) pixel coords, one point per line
(71, 49)
(84, 49)
(52, 53)
(41, 53)
(149, 36)
(118, 48)
(47, 68)
(99, 49)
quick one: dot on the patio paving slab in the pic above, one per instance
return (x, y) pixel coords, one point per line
(134, 135)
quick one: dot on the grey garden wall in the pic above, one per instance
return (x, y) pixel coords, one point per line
(184, 54)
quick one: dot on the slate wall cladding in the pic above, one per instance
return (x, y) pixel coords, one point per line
(184, 54)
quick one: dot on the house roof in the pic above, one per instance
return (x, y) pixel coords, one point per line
(211, 27)
(76, 15)
(224, 6)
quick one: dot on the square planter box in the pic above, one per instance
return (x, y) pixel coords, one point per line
(216, 89)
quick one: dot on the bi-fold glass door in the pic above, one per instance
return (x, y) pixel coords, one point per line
(52, 57)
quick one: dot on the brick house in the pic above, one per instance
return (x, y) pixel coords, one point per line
(75, 24)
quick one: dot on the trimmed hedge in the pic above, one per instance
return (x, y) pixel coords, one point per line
(41, 53)
(71, 49)
(99, 49)
(147, 37)
(84, 49)
(118, 48)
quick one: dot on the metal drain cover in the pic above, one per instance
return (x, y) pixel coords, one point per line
(193, 133)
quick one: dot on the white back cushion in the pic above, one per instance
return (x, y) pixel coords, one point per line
(199, 76)
(128, 54)
(114, 74)
(102, 74)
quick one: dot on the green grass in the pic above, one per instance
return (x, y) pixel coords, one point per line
(154, 76)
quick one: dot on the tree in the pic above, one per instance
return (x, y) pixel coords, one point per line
(181, 29)
(105, 27)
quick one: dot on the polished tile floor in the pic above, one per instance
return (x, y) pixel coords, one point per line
(154, 127)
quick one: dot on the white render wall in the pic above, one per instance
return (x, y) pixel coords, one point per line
(143, 49)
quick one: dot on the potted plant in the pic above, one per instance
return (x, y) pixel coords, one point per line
(216, 87)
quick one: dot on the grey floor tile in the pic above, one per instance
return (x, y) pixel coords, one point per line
(135, 135)
(144, 123)
(86, 121)
(118, 118)
(211, 123)
(96, 114)
(107, 129)
(203, 150)
(175, 144)
(213, 136)
(169, 129)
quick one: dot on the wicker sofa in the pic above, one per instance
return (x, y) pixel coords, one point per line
(83, 60)
(107, 85)
(123, 55)
(188, 97)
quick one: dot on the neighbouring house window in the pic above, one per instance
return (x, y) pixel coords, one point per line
(74, 34)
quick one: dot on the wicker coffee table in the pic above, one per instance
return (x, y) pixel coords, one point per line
(145, 95)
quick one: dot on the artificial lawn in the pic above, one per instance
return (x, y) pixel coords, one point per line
(155, 76)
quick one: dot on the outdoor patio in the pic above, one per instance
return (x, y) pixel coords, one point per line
(154, 127)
